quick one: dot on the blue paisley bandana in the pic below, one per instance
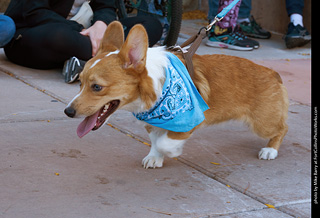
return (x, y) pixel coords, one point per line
(181, 107)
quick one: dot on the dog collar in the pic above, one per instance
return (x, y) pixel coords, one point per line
(180, 107)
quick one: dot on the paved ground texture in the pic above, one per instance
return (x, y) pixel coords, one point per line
(47, 171)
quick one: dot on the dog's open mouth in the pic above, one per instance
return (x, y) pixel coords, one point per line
(96, 120)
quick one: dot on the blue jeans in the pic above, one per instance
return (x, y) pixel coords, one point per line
(244, 12)
(7, 30)
(294, 6)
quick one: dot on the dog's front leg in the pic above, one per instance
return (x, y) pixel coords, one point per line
(154, 158)
(163, 143)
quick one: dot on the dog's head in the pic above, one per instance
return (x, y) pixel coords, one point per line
(115, 78)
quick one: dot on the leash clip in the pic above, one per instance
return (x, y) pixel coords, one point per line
(216, 19)
(178, 48)
(221, 15)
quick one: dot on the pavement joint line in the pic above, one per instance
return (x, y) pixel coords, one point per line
(52, 95)
(129, 134)
(33, 120)
(240, 212)
(203, 215)
(288, 211)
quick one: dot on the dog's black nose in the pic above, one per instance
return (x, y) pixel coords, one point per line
(70, 112)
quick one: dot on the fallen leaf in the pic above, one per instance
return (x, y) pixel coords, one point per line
(270, 206)
(304, 54)
(146, 143)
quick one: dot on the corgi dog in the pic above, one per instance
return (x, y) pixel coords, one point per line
(126, 74)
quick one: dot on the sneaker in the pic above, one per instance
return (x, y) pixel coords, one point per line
(72, 68)
(254, 30)
(296, 36)
(228, 39)
(240, 33)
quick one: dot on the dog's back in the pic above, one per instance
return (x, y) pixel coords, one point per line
(236, 88)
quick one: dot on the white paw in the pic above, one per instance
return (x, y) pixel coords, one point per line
(268, 153)
(152, 161)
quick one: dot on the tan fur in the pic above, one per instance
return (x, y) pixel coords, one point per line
(236, 88)
(112, 40)
(121, 76)
(233, 87)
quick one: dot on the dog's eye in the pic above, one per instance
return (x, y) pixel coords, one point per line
(96, 87)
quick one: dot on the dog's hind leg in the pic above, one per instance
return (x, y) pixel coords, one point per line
(271, 127)
(271, 151)
(268, 120)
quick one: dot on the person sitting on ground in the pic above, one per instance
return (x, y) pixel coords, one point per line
(47, 38)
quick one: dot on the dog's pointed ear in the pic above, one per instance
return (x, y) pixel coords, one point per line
(134, 50)
(113, 38)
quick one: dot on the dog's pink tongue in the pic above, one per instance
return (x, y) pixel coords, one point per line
(87, 125)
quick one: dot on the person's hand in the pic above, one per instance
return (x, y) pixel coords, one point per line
(95, 33)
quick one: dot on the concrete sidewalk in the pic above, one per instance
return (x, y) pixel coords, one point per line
(47, 171)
